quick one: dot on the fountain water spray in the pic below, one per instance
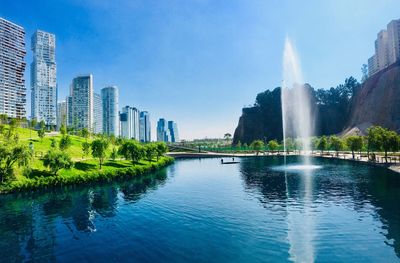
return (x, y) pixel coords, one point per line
(295, 100)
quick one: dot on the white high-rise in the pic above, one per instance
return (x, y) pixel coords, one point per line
(82, 102)
(130, 123)
(12, 67)
(97, 114)
(109, 97)
(43, 78)
(387, 48)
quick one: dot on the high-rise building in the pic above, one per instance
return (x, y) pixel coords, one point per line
(173, 131)
(163, 133)
(97, 114)
(82, 102)
(43, 78)
(387, 48)
(68, 101)
(12, 67)
(109, 96)
(144, 127)
(129, 118)
(62, 114)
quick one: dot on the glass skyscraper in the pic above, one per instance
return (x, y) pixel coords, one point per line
(173, 130)
(82, 102)
(43, 78)
(12, 67)
(163, 133)
(97, 114)
(129, 118)
(109, 97)
(145, 127)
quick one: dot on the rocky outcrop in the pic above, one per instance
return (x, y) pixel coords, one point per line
(377, 102)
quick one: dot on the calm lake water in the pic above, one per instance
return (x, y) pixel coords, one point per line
(201, 211)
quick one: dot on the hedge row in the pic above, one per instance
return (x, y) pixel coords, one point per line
(83, 178)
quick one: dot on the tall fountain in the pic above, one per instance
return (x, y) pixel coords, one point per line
(295, 99)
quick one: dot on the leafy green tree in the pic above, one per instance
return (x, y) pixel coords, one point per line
(63, 129)
(11, 155)
(150, 151)
(53, 143)
(239, 145)
(132, 150)
(337, 144)
(273, 145)
(322, 144)
(3, 118)
(33, 123)
(85, 133)
(57, 160)
(42, 125)
(355, 143)
(374, 138)
(41, 133)
(99, 149)
(114, 154)
(65, 142)
(85, 149)
(389, 141)
(161, 149)
(227, 136)
(257, 146)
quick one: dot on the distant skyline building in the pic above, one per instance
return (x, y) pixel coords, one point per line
(68, 102)
(12, 68)
(163, 133)
(44, 78)
(82, 102)
(97, 114)
(387, 48)
(61, 114)
(129, 119)
(173, 131)
(109, 96)
(144, 127)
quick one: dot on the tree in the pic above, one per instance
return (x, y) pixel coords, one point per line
(33, 123)
(322, 144)
(257, 146)
(41, 132)
(65, 142)
(374, 138)
(389, 141)
(42, 125)
(57, 160)
(150, 151)
(132, 150)
(337, 144)
(161, 149)
(355, 143)
(273, 145)
(99, 148)
(10, 155)
(53, 143)
(85, 149)
(3, 118)
(114, 154)
(227, 136)
(85, 133)
(63, 130)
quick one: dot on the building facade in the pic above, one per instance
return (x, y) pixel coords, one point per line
(109, 97)
(129, 119)
(43, 78)
(12, 67)
(61, 114)
(173, 131)
(82, 102)
(387, 48)
(144, 127)
(163, 133)
(68, 102)
(97, 114)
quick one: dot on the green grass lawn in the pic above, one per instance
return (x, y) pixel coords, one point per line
(84, 170)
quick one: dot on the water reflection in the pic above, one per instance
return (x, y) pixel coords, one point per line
(29, 222)
(305, 194)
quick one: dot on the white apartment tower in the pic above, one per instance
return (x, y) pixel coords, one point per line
(12, 67)
(82, 102)
(43, 78)
(97, 114)
(129, 118)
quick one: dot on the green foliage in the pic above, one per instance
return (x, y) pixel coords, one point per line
(150, 150)
(99, 148)
(84, 133)
(41, 133)
(53, 143)
(85, 149)
(11, 155)
(337, 144)
(57, 160)
(257, 146)
(322, 144)
(132, 150)
(161, 149)
(65, 142)
(355, 143)
(114, 154)
(273, 145)
(63, 130)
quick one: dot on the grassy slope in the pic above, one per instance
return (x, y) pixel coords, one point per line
(87, 167)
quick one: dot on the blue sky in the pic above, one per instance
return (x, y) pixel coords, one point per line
(199, 62)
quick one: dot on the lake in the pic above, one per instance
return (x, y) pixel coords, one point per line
(198, 210)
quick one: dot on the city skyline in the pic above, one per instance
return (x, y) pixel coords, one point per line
(241, 57)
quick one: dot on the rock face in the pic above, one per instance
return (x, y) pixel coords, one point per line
(347, 109)
(378, 102)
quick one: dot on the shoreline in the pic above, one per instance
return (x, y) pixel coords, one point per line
(395, 167)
